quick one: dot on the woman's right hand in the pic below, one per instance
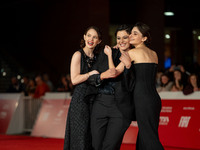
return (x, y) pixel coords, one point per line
(108, 50)
(93, 72)
(116, 47)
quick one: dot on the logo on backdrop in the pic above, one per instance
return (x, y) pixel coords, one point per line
(166, 109)
(164, 120)
(184, 121)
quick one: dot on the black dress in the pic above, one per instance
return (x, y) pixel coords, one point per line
(147, 106)
(78, 133)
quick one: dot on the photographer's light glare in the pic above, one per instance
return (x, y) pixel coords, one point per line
(168, 13)
(167, 36)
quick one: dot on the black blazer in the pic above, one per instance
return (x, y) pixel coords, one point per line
(122, 95)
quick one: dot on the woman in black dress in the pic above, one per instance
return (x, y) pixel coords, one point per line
(77, 134)
(146, 99)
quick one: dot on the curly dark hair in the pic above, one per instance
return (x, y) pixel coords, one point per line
(122, 28)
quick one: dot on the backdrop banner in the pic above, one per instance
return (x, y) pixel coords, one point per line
(179, 124)
(51, 120)
(8, 105)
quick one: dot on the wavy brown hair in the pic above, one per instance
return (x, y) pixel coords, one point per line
(100, 45)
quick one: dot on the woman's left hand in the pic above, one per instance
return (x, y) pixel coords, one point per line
(125, 59)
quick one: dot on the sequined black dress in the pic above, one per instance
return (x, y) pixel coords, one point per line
(78, 134)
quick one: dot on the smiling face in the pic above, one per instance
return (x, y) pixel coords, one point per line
(123, 40)
(136, 37)
(91, 39)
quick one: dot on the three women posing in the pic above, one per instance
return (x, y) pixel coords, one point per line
(112, 113)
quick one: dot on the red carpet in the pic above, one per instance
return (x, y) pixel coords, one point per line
(19, 142)
(29, 143)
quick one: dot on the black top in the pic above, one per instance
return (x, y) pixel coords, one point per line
(101, 65)
(114, 86)
(86, 62)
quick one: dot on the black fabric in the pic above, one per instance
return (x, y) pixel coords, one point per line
(78, 132)
(107, 88)
(147, 106)
(107, 123)
(124, 101)
(129, 78)
(120, 87)
(95, 80)
(101, 65)
(188, 89)
(112, 110)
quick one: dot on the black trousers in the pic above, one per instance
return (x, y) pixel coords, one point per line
(108, 126)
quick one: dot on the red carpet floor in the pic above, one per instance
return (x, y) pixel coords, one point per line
(21, 142)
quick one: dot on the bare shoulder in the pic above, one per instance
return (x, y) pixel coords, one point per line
(155, 56)
(132, 51)
(154, 53)
(76, 58)
(77, 54)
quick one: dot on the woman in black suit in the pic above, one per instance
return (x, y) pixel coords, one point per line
(112, 110)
